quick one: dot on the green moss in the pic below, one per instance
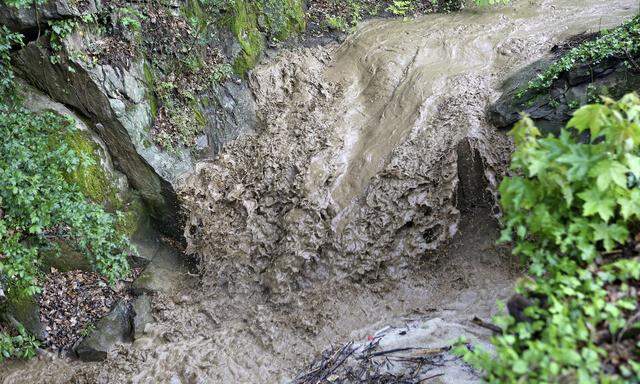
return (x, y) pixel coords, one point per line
(244, 25)
(97, 185)
(151, 96)
(91, 178)
(194, 12)
(283, 18)
(131, 219)
(25, 310)
(252, 21)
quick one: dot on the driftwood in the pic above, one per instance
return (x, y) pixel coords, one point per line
(366, 364)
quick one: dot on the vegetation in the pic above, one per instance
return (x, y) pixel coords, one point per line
(21, 345)
(621, 42)
(41, 206)
(7, 40)
(572, 211)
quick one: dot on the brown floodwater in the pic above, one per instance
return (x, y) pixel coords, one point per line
(365, 200)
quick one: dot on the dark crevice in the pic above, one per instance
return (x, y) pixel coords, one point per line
(473, 188)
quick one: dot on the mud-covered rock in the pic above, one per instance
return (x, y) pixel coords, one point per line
(26, 17)
(142, 314)
(116, 327)
(552, 109)
(114, 100)
(231, 113)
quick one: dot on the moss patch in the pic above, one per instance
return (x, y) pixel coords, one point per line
(150, 95)
(99, 187)
(281, 18)
(92, 180)
(253, 22)
(244, 25)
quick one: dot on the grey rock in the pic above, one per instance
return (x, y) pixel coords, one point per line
(116, 327)
(142, 314)
(233, 112)
(27, 312)
(165, 271)
(24, 18)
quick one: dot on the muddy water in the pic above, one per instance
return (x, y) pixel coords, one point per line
(364, 200)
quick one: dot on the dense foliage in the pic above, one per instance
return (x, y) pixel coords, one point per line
(621, 42)
(40, 208)
(572, 210)
(8, 39)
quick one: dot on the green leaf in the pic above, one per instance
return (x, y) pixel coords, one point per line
(608, 172)
(630, 205)
(592, 117)
(633, 162)
(611, 235)
(595, 202)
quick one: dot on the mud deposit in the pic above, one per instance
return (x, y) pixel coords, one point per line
(365, 200)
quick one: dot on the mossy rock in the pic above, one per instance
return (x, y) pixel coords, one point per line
(253, 22)
(281, 18)
(64, 259)
(92, 179)
(26, 311)
(244, 25)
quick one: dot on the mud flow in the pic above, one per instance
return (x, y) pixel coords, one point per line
(365, 203)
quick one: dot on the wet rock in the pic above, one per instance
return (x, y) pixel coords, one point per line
(114, 99)
(142, 314)
(116, 327)
(553, 108)
(24, 18)
(232, 113)
(165, 268)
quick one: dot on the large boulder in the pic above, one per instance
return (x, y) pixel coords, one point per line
(115, 102)
(116, 327)
(100, 181)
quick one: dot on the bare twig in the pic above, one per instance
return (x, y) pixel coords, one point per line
(479, 322)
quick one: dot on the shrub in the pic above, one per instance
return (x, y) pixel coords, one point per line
(570, 210)
(20, 345)
(39, 208)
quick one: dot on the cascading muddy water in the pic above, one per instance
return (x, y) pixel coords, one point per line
(329, 221)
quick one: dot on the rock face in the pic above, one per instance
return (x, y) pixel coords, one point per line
(232, 113)
(114, 100)
(551, 110)
(25, 18)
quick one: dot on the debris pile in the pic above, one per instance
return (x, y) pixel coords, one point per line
(419, 352)
(70, 303)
